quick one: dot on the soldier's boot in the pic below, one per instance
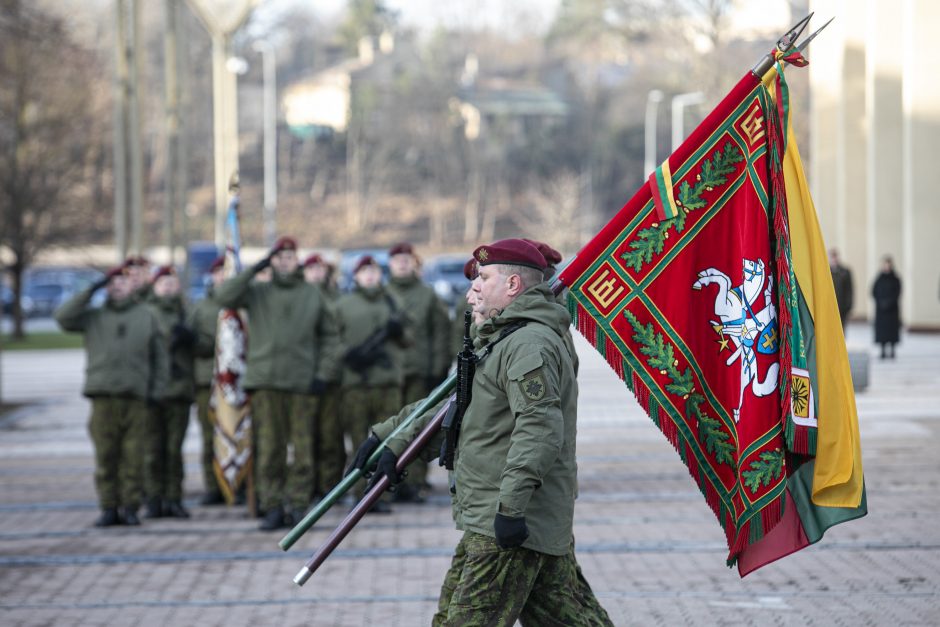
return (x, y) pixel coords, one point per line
(109, 518)
(174, 509)
(273, 519)
(154, 507)
(130, 517)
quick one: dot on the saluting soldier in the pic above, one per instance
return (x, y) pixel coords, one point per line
(292, 349)
(515, 468)
(329, 448)
(428, 358)
(126, 369)
(169, 419)
(204, 321)
(373, 335)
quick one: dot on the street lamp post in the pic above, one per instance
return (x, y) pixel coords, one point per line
(652, 107)
(221, 19)
(269, 73)
(679, 103)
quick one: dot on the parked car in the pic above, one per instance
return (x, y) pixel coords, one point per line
(44, 289)
(445, 274)
(348, 259)
(6, 295)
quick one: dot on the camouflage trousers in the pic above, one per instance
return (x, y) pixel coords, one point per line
(329, 449)
(486, 585)
(280, 419)
(163, 449)
(415, 389)
(116, 427)
(364, 407)
(208, 441)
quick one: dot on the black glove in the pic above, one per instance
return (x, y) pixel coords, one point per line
(394, 328)
(261, 265)
(317, 387)
(386, 467)
(181, 335)
(365, 450)
(510, 532)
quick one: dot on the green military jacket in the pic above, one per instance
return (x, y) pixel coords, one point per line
(203, 320)
(292, 335)
(429, 355)
(170, 311)
(360, 313)
(125, 350)
(516, 451)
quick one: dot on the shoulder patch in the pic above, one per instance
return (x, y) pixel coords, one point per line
(533, 386)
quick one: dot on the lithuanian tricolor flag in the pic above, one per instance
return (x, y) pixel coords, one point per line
(709, 294)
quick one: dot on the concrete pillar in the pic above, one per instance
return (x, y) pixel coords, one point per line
(825, 56)
(851, 149)
(920, 262)
(885, 147)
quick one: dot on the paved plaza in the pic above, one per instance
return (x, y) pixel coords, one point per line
(646, 539)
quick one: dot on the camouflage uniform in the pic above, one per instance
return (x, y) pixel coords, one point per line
(126, 367)
(486, 585)
(428, 357)
(293, 341)
(374, 393)
(516, 456)
(204, 322)
(167, 421)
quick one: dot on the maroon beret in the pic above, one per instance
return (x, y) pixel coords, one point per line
(404, 248)
(218, 262)
(365, 260)
(116, 271)
(552, 256)
(516, 252)
(285, 242)
(136, 260)
(470, 269)
(312, 259)
(164, 271)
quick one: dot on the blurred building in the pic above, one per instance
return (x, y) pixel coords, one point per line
(875, 141)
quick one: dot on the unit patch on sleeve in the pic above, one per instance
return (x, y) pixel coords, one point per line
(533, 386)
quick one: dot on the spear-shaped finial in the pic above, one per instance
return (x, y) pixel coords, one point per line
(787, 43)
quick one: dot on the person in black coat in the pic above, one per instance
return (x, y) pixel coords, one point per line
(887, 293)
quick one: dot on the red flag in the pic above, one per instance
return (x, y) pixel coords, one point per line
(681, 292)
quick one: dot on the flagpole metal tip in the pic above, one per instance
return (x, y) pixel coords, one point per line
(302, 577)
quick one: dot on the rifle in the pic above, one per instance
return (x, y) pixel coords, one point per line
(360, 357)
(466, 368)
(371, 350)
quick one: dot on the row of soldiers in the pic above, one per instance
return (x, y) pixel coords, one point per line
(320, 366)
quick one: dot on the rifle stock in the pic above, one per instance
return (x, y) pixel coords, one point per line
(373, 495)
(439, 394)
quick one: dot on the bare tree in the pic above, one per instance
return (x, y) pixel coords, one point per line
(46, 97)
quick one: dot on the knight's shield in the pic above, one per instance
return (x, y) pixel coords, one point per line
(769, 339)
